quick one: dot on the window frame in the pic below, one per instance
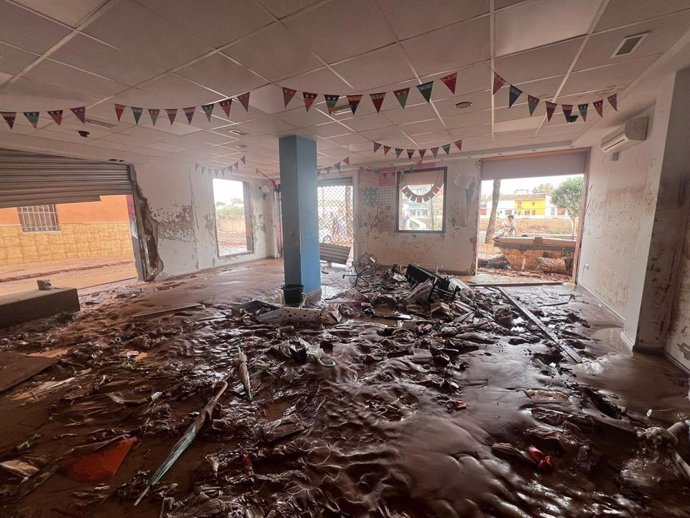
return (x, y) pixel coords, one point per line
(401, 172)
(248, 219)
(25, 212)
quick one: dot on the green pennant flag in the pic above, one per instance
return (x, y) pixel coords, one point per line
(425, 90)
(446, 148)
(401, 96)
(136, 112)
(398, 151)
(532, 102)
(331, 101)
(32, 117)
(513, 95)
(582, 108)
(337, 166)
(208, 110)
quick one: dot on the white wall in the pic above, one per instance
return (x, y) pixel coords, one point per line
(454, 250)
(678, 344)
(180, 198)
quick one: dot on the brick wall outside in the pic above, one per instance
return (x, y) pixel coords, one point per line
(74, 240)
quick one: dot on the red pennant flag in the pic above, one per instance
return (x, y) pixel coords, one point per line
(410, 153)
(377, 99)
(347, 160)
(244, 159)
(550, 108)
(398, 152)
(567, 111)
(599, 107)
(80, 112)
(458, 144)
(57, 116)
(244, 100)
(422, 152)
(189, 112)
(172, 113)
(613, 101)
(450, 81)
(376, 146)
(386, 149)
(434, 151)
(32, 117)
(9, 118)
(401, 96)
(309, 99)
(288, 94)
(153, 113)
(208, 110)
(354, 100)
(226, 104)
(119, 110)
(498, 82)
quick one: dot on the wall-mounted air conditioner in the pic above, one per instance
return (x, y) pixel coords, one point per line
(634, 132)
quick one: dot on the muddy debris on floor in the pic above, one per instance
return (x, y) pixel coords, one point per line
(411, 395)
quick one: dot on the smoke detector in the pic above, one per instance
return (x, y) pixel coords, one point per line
(629, 44)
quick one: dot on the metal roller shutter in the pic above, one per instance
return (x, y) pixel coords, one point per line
(33, 179)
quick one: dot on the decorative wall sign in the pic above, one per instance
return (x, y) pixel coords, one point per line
(423, 197)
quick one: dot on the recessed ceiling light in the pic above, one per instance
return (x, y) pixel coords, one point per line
(629, 44)
(463, 104)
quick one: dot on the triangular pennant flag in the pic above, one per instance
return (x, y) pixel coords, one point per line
(244, 100)
(244, 159)
(337, 166)
(347, 160)
(446, 148)
(377, 99)
(425, 90)
(401, 96)
(532, 102)
(309, 99)
(57, 116)
(376, 146)
(386, 149)
(189, 112)
(398, 151)
(226, 104)
(236, 165)
(582, 108)
(119, 109)
(513, 95)
(567, 111)
(9, 118)
(80, 113)
(550, 108)
(458, 144)
(288, 94)
(153, 113)
(32, 118)
(613, 101)
(410, 153)
(172, 113)
(434, 151)
(208, 110)
(136, 112)
(450, 81)
(498, 82)
(331, 101)
(354, 100)
(599, 107)
(422, 152)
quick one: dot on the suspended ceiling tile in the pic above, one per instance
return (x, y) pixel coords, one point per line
(88, 54)
(502, 4)
(418, 128)
(136, 30)
(27, 94)
(470, 131)
(461, 44)
(609, 78)
(480, 101)
(274, 53)
(14, 60)
(544, 89)
(551, 60)
(318, 81)
(178, 128)
(663, 33)
(28, 31)
(361, 27)
(345, 140)
(388, 133)
(467, 120)
(54, 73)
(367, 72)
(367, 122)
(329, 129)
(281, 8)
(624, 12)
(174, 91)
(70, 12)
(300, 118)
(269, 99)
(474, 78)
(218, 73)
(268, 125)
(537, 23)
(416, 113)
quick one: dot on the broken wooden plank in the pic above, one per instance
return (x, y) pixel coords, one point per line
(550, 334)
(16, 368)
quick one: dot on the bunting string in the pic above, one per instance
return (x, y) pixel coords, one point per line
(221, 170)
(420, 152)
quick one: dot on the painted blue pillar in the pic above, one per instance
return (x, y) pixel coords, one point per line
(299, 201)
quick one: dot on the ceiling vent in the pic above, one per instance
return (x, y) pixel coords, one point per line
(629, 44)
(97, 123)
(238, 132)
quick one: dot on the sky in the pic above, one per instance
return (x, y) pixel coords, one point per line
(226, 190)
(510, 186)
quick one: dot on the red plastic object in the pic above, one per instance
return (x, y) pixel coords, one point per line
(542, 460)
(100, 465)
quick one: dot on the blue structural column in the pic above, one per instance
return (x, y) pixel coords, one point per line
(299, 201)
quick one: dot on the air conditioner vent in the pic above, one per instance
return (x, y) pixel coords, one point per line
(629, 44)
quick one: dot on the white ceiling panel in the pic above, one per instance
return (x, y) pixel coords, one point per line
(174, 91)
(465, 120)
(480, 101)
(330, 129)
(551, 60)
(282, 8)
(268, 125)
(366, 122)
(418, 128)
(274, 53)
(318, 81)
(470, 131)
(461, 44)
(69, 78)
(419, 112)
(28, 31)
(137, 30)
(625, 12)
(381, 67)
(300, 118)
(218, 73)
(29, 95)
(361, 28)
(610, 78)
(388, 133)
(70, 12)
(14, 60)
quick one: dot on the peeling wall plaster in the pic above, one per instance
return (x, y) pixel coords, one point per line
(678, 344)
(375, 221)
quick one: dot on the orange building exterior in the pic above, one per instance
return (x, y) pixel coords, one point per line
(86, 230)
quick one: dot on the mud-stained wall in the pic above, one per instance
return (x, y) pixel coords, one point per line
(180, 199)
(375, 221)
(678, 344)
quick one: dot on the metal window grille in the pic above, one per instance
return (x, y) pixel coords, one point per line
(38, 218)
(335, 214)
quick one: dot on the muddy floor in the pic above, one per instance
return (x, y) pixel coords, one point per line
(384, 404)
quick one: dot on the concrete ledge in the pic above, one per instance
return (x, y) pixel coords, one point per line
(23, 307)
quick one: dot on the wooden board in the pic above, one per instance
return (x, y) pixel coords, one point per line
(16, 368)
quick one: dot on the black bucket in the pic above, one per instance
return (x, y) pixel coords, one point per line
(292, 293)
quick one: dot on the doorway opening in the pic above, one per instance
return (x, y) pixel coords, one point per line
(335, 201)
(233, 217)
(530, 227)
